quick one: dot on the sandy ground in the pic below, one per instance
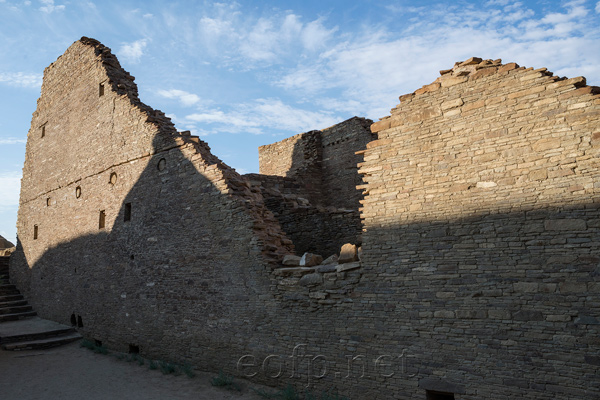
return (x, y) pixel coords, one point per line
(73, 372)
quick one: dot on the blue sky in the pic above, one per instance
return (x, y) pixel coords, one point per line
(243, 74)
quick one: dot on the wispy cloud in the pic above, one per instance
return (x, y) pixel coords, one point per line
(186, 99)
(260, 116)
(374, 66)
(133, 51)
(12, 141)
(49, 6)
(253, 42)
(598, 7)
(21, 79)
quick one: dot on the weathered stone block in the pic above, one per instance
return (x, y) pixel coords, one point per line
(333, 259)
(310, 259)
(325, 268)
(348, 266)
(348, 254)
(572, 287)
(565, 224)
(290, 259)
(444, 314)
(311, 280)
(447, 105)
(471, 61)
(528, 315)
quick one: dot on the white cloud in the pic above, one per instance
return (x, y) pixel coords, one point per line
(598, 7)
(49, 7)
(260, 116)
(315, 36)
(11, 140)
(576, 11)
(185, 98)
(251, 42)
(132, 52)
(374, 66)
(10, 186)
(21, 79)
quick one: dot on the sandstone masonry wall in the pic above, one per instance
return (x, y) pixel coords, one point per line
(135, 228)
(319, 210)
(312, 228)
(323, 162)
(339, 167)
(481, 216)
(479, 274)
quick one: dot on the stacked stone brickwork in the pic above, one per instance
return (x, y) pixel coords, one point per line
(323, 162)
(6, 247)
(481, 215)
(480, 267)
(340, 176)
(309, 182)
(312, 228)
(133, 228)
(300, 158)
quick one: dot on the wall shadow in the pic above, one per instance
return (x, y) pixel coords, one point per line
(506, 300)
(172, 271)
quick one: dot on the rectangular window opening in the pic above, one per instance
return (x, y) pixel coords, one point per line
(102, 220)
(127, 215)
(101, 90)
(35, 232)
(43, 130)
(435, 395)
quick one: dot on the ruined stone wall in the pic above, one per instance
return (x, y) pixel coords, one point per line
(135, 228)
(299, 157)
(323, 162)
(312, 228)
(323, 168)
(481, 217)
(340, 176)
(479, 273)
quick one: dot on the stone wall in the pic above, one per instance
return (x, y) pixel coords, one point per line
(300, 158)
(323, 162)
(339, 167)
(310, 183)
(138, 229)
(312, 228)
(479, 273)
(481, 216)
(5, 244)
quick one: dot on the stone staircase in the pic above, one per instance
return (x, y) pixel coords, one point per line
(20, 328)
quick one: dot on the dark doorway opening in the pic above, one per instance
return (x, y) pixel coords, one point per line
(434, 395)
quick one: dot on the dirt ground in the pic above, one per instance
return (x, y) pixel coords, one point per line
(73, 372)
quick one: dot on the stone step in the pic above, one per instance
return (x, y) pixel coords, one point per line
(15, 309)
(43, 343)
(28, 336)
(11, 297)
(8, 289)
(17, 316)
(13, 303)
